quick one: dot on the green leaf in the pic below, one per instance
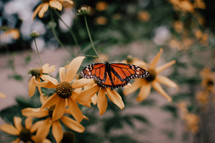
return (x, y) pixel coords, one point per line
(148, 102)
(15, 76)
(142, 119)
(122, 139)
(171, 109)
(7, 114)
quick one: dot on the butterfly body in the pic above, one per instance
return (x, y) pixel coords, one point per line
(113, 75)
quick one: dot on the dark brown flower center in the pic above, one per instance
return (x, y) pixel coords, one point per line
(37, 72)
(152, 75)
(25, 135)
(210, 82)
(45, 1)
(68, 137)
(64, 89)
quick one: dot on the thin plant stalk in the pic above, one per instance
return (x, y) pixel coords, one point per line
(90, 37)
(41, 62)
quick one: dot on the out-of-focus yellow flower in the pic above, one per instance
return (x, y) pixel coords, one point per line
(45, 125)
(23, 134)
(43, 7)
(153, 80)
(88, 94)
(178, 26)
(187, 43)
(202, 97)
(101, 6)
(65, 94)
(101, 20)
(9, 34)
(199, 4)
(143, 15)
(208, 79)
(2, 95)
(175, 44)
(101, 58)
(40, 74)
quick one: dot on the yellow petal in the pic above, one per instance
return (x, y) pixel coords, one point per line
(102, 101)
(18, 123)
(16, 141)
(144, 92)
(43, 130)
(59, 109)
(166, 81)
(47, 69)
(49, 78)
(87, 94)
(55, 4)
(32, 86)
(62, 73)
(51, 101)
(133, 87)
(43, 99)
(35, 112)
(2, 95)
(36, 126)
(69, 1)
(82, 82)
(47, 84)
(165, 66)
(72, 124)
(74, 110)
(43, 9)
(115, 98)
(37, 10)
(160, 90)
(154, 62)
(9, 129)
(28, 123)
(73, 67)
(94, 99)
(57, 131)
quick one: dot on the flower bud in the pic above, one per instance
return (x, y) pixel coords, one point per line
(85, 10)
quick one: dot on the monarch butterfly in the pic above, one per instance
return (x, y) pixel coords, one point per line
(113, 75)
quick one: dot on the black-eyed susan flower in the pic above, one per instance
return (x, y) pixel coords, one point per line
(208, 79)
(65, 94)
(43, 7)
(40, 74)
(24, 134)
(88, 94)
(46, 124)
(153, 80)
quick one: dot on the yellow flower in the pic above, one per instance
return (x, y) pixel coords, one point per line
(38, 74)
(46, 124)
(2, 95)
(86, 96)
(208, 79)
(65, 93)
(43, 7)
(202, 97)
(143, 15)
(101, 6)
(153, 80)
(101, 20)
(23, 134)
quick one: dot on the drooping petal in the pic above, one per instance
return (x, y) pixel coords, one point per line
(49, 78)
(9, 129)
(43, 130)
(87, 94)
(28, 123)
(144, 92)
(55, 4)
(72, 124)
(43, 9)
(133, 87)
(47, 69)
(154, 62)
(32, 86)
(37, 10)
(165, 66)
(69, 1)
(47, 84)
(62, 73)
(102, 101)
(73, 67)
(35, 112)
(74, 110)
(16, 140)
(82, 82)
(18, 123)
(166, 81)
(59, 109)
(115, 98)
(51, 101)
(57, 131)
(160, 90)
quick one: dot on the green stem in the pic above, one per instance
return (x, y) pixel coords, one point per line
(88, 31)
(70, 30)
(41, 62)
